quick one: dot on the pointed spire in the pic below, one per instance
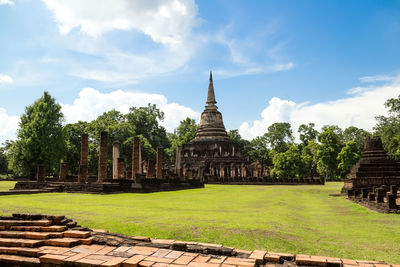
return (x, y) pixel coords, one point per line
(211, 96)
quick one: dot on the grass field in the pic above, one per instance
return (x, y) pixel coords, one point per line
(6, 185)
(293, 219)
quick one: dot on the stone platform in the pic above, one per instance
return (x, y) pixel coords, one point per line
(45, 240)
(264, 181)
(106, 187)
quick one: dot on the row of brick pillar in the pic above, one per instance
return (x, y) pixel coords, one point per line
(376, 194)
(118, 171)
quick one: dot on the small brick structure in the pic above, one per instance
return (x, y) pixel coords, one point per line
(375, 179)
(46, 240)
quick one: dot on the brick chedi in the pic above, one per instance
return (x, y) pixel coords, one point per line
(374, 168)
(211, 153)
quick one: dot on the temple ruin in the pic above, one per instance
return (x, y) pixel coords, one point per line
(375, 179)
(213, 157)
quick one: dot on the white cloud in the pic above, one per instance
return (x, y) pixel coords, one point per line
(377, 78)
(5, 79)
(7, 2)
(9, 126)
(167, 23)
(358, 110)
(92, 103)
(164, 21)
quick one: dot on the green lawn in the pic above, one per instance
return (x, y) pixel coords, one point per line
(6, 185)
(294, 219)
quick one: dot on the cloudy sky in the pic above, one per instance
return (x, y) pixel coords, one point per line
(327, 62)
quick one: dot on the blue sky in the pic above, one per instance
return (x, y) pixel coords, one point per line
(328, 62)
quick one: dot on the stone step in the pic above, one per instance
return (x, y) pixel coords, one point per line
(63, 242)
(17, 242)
(13, 260)
(52, 228)
(9, 223)
(27, 252)
(30, 235)
(76, 234)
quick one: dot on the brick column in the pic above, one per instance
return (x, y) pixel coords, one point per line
(83, 174)
(150, 169)
(41, 172)
(136, 157)
(115, 159)
(83, 167)
(121, 168)
(102, 165)
(63, 171)
(159, 163)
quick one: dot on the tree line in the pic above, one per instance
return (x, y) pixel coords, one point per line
(44, 138)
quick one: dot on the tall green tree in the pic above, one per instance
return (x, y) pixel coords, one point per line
(279, 136)
(40, 138)
(184, 133)
(348, 157)
(146, 121)
(258, 151)
(73, 133)
(328, 152)
(388, 128)
(357, 135)
(289, 164)
(307, 133)
(241, 143)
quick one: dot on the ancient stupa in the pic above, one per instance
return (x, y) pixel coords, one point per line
(211, 153)
(374, 168)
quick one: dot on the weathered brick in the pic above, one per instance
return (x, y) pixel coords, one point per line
(142, 250)
(75, 257)
(202, 258)
(217, 259)
(349, 262)
(146, 263)
(162, 241)
(87, 249)
(105, 250)
(6, 260)
(272, 258)
(30, 252)
(52, 259)
(184, 260)
(203, 264)
(258, 255)
(62, 242)
(141, 238)
(89, 262)
(114, 262)
(8, 242)
(174, 254)
(76, 234)
(318, 261)
(161, 252)
(159, 259)
(240, 261)
(133, 261)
